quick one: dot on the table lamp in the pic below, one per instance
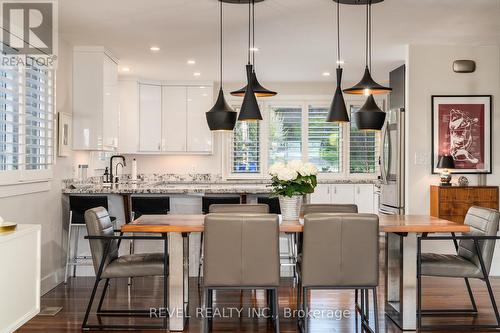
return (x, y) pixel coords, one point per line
(445, 163)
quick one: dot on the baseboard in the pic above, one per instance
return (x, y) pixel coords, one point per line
(52, 280)
(20, 321)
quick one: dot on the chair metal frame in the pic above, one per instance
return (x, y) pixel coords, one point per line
(473, 311)
(123, 313)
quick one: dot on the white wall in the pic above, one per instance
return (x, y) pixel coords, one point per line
(429, 72)
(45, 208)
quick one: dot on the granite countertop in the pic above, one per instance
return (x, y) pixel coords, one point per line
(184, 186)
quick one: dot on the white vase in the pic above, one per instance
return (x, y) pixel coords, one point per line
(290, 207)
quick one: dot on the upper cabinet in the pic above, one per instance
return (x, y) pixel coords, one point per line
(95, 99)
(169, 119)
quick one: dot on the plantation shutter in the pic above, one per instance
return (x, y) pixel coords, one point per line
(285, 133)
(245, 156)
(363, 149)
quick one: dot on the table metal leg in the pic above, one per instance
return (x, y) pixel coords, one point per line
(178, 284)
(401, 281)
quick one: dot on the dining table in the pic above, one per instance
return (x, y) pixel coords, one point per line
(400, 232)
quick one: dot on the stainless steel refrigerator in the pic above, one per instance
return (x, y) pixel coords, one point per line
(392, 159)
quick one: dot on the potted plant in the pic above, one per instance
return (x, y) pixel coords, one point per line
(290, 182)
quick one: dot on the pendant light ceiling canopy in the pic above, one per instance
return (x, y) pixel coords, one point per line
(338, 111)
(367, 85)
(257, 88)
(221, 117)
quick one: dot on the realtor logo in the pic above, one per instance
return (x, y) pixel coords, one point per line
(27, 27)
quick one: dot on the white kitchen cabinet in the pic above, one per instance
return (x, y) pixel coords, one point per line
(150, 118)
(364, 198)
(342, 193)
(128, 138)
(199, 136)
(95, 99)
(174, 118)
(321, 194)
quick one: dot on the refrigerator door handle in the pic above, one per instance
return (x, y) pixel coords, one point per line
(383, 172)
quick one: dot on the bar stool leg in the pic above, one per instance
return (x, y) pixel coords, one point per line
(75, 253)
(68, 248)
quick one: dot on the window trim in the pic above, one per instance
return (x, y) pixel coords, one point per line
(293, 101)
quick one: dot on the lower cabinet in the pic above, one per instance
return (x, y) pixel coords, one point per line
(363, 195)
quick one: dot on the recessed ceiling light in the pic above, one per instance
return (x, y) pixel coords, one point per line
(254, 49)
(196, 74)
(340, 62)
(155, 48)
(326, 73)
(204, 95)
(125, 69)
(191, 62)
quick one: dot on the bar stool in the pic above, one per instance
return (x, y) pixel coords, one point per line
(206, 201)
(148, 206)
(78, 205)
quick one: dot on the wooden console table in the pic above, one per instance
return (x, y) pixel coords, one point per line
(453, 202)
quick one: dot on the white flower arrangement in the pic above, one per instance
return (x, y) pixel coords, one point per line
(293, 178)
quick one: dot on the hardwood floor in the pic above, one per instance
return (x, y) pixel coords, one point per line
(145, 293)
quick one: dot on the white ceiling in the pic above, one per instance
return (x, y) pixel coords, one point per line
(296, 37)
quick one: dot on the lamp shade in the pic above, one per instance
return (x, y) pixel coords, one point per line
(250, 110)
(221, 117)
(338, 111)
(369, 117)
(258, 89)
(367, 86)
(446, 162)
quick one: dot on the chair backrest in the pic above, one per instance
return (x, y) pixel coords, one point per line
(241, 250)
(99, 224)
(340, 250)
(273, 203)
(78, 205)
(239, 209)
(329, 208)
(206, 202)
(483, 222)
(150, 206)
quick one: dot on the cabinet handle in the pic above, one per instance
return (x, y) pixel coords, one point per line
(159, 146)
(335, 189)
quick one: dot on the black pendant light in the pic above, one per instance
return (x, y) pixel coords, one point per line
(369, 117)
(221, 117)
(367, 85)
(338, 111)
(250, 110)
(258, 89)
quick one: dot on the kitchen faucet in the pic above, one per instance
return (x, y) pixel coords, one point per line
(111, 166)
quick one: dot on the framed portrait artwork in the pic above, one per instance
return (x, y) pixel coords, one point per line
(64, 134)
(461, 128)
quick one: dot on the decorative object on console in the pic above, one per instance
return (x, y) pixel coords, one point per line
(463, 181)
(290, 182)
(461, 127)
(221, 117)
(464, 66)
(445, 164)
(258, 89)
(338, 111)
(370, 117)
(63, 134)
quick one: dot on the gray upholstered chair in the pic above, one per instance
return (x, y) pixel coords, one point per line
(242, 252)
(329, 208)
(108, 264)
(230, 209)
(340, 251)
(473, 259)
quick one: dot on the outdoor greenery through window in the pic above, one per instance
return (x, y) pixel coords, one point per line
(363, 149)
(285, 134)
(324, 141)
(246, 147)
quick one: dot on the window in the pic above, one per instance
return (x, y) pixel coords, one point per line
(26, 121)
(363, 149)
(324, 141)
(285, 134)
(245, 156)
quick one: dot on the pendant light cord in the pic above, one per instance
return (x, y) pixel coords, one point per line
(338, 34)
(366, 37)
(370, 31)
(221, 42)
(253, 33)
(249, 29)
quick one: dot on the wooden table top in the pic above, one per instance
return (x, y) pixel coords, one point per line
(388, 223)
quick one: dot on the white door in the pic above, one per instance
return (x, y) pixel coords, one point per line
(364, 198)
(150, 118)
(342, 194)
(199, 136)
(174, 118)
(321, 194)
